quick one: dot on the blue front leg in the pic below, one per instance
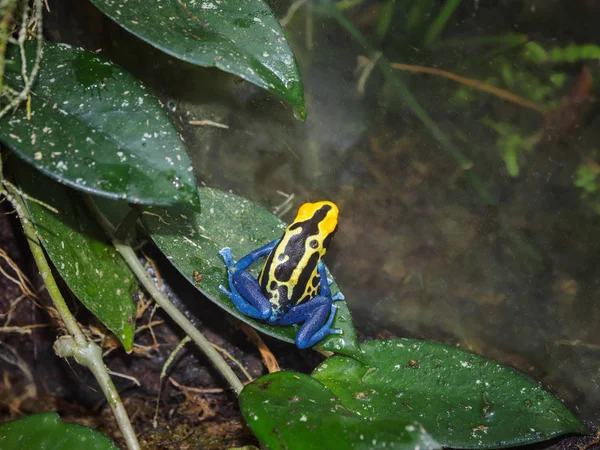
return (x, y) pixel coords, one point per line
(249, 259)
(245, 293)
(324, 285)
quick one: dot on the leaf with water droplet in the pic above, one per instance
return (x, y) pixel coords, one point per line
(462, 399)
(191, 241)
(48, 431)
(242, 37)
(91, 267)
(94, 127)
(293, 411)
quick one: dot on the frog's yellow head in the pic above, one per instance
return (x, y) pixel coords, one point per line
(324, 213)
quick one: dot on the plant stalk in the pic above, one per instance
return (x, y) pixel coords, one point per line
(7, 8)
(85, 352)
(163, 301)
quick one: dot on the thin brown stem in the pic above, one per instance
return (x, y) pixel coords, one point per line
(501, 93)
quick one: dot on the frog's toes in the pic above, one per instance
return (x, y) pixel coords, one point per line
(338, 296)
(329, 281)
(225, 291)
(331, 316)
(335, 331)
(225, 253)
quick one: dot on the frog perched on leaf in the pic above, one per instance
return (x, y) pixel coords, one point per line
(292, 287)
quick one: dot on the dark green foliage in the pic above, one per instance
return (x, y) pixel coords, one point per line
(238, 36)
(47, 431)
(95, 127)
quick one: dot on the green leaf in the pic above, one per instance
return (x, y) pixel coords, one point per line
(463, 400)
(440, 22)
(192, 242)
(534, 52)
(47, 431)
(95, 127)
(238, 36)
(287, 410)
(92, 269)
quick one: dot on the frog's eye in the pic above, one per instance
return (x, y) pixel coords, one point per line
(314, 244)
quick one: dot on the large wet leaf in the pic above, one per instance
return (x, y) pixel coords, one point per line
(95, 127)
(192, 242)
(463, 400)
(47, 431)
(238, 36)
(90, 266)
(287, 410)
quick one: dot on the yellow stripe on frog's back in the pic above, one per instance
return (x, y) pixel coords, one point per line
(289, 275)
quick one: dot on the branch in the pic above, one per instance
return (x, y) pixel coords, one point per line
(502, 93)
(162, 300)
(75, 344)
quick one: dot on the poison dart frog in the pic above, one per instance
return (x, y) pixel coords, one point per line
(292, 287)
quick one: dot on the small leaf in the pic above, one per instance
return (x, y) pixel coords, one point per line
(92, 269)
(287, 410)
(238, 36)
(463, 400)
(47, 431)
(192, 242)
(96, 128)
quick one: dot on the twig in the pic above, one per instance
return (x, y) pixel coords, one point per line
(22, 281)
(28, 79)
(268, 358)
(365, 66)
(209, 123)
(25, 329)
(30, 198)
(234, 360)
(163, 373)
(501, 93)
(149, 325)
(12, 357)
(6, 11)
(127, 377)
(193, 389)
(291, 11)
(281, 209)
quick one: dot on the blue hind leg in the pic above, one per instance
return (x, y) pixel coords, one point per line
(247, 296)
(317, 314)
